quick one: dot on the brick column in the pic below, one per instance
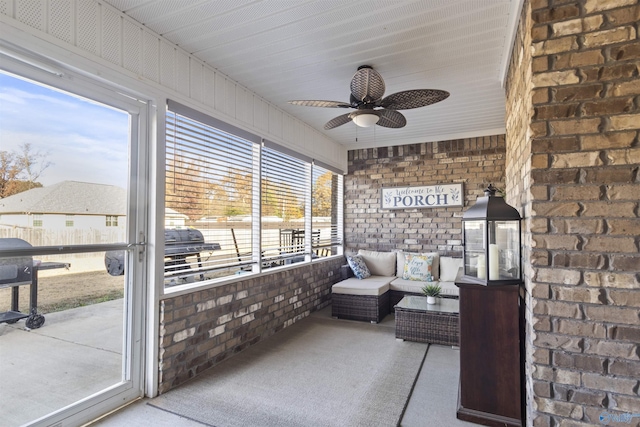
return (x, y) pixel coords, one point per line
(573, 114)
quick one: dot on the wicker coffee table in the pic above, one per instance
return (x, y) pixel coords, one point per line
(433, 323)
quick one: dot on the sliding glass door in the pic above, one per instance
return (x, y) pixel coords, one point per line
(72, 251)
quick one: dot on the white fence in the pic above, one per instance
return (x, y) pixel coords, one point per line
(84, 262)
(44, 237)
(80, 263)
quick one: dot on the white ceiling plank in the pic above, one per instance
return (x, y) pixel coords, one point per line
(310, 49)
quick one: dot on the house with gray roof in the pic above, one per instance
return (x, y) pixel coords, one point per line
(66, 205)
(174, 219)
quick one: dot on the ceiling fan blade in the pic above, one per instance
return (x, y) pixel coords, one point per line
(326, 104)
(391, 119)
(367, 84)
(338, 121)
(413, 99)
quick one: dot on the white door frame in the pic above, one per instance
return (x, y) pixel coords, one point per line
(117, 395)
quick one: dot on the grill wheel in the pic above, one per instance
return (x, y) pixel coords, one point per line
(34, 321)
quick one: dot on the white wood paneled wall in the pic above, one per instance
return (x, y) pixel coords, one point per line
(99, 31)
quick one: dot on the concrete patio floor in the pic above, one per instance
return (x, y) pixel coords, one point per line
(78, 352)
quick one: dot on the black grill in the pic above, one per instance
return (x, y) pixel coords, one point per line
(15, 272)
(186, 242)
(179, 244)
(18, 270)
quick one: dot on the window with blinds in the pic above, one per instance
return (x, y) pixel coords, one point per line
(237, 204)
(326, 215)
(284, 192)
(209, 188)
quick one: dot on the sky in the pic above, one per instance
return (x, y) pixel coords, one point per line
(84, 141)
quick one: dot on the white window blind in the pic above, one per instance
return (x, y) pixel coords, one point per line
(235, 203)
(326, 216)
(209, 186)
(285, 183)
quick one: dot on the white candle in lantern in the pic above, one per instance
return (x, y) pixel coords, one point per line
(482, 267)
(494, 269)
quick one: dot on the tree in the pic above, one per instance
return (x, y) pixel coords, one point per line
(239, 187)
(281, 200)
(9, 171)
(185, 187)
(232, 194)
(32, 163)
(321, 196)
(19, 171)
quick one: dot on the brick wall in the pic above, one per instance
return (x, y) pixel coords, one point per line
(584, 187)
(203, 328)
(518, 175)
(476, 162)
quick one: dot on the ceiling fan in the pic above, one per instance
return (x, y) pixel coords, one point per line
(367, 88)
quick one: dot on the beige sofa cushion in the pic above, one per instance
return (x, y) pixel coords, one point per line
(379, 263)
(449, 288)
(450, 269)
(411, 286)
(399, 284)
(372, 285)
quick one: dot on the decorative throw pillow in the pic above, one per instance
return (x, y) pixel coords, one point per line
(418, 267)
(435, 267)
(401, 257)
(360, 270)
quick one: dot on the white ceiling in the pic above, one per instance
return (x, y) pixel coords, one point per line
(309, 49)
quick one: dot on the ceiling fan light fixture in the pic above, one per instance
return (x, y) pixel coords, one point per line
(366, 120)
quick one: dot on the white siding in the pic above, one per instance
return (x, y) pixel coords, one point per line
(58, 222)
(11, 220)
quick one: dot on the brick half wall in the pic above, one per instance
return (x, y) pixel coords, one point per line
(203, 328)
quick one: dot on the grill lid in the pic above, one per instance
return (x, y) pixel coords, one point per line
(15, 270)
(175, 236)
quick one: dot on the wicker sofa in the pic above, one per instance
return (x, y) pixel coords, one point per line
(371, 299)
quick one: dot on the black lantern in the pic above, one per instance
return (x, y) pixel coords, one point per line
(492, 241)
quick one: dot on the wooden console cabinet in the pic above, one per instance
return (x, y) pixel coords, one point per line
(491, 369)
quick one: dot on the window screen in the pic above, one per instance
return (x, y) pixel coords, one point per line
(235, 203)
(283, 203)
(209, 187)
(326, 217)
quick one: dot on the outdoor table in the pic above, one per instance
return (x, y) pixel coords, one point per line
(416, 320)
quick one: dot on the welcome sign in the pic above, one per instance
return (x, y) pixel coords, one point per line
(431, 196)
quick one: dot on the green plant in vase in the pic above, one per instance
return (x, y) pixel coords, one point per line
(432, 292)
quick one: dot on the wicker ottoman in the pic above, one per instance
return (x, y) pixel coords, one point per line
(432, 323)
(368, 308)
(356, 299)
